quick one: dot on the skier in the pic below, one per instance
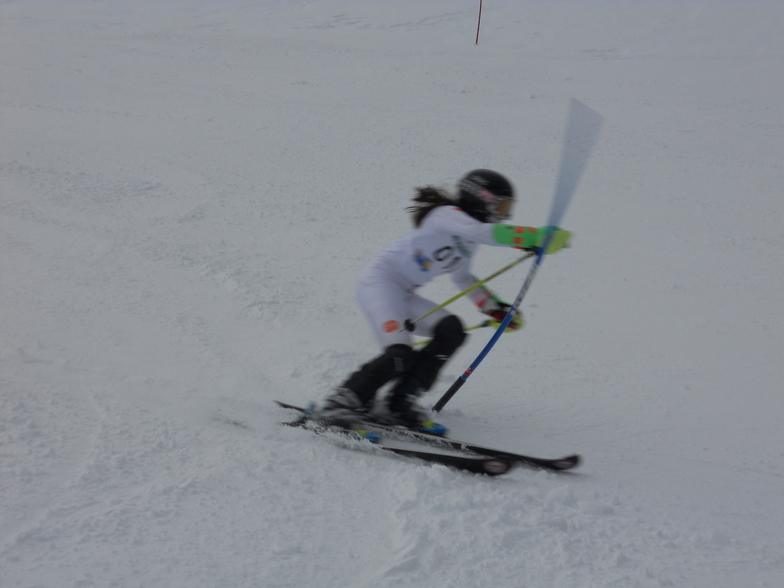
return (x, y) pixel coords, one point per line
(447, 231)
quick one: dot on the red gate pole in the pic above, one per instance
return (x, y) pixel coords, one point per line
(478, 22)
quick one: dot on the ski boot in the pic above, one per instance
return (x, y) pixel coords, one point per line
(405, 412)
(342, 408)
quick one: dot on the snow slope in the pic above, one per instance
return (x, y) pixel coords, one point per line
(188, 190)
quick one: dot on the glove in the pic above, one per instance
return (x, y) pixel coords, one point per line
(530, 238)
(497, 311)
(558, 241)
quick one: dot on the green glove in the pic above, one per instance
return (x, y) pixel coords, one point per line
(530, 237)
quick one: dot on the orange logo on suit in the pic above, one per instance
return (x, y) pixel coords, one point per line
(390, 326)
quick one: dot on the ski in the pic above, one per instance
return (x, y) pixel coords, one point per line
(485, 465)
(561, 464)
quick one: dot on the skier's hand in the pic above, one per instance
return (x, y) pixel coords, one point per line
(497, 312)
(559, 240)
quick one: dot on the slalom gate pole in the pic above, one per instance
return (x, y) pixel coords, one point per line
(469, 289)
(582, 129)
(498, 332)
(478, 22)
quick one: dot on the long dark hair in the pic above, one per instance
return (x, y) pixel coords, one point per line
(427, 199)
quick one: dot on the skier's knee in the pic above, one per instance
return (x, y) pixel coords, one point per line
(449, 332)
(448, 335)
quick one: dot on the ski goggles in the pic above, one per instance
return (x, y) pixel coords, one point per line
(499, 209)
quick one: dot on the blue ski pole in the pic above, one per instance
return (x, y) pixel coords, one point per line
(582, 129)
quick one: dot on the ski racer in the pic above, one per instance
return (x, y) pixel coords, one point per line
(447, 231)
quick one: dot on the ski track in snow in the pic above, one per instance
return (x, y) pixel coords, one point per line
(187, 194)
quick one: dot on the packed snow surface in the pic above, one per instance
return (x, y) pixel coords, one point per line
(188, 192)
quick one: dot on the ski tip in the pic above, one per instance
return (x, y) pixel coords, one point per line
(300, 422)
(496, 467)
(305, 410)
(566, 463)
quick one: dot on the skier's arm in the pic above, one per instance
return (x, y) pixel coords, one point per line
(464, 279)
(457, 222)
(486, 300)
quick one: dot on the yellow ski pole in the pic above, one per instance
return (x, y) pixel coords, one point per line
(410, 324)
(479, 326)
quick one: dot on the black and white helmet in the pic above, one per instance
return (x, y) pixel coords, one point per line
(486, 195)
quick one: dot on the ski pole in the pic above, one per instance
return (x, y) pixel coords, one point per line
(582, 129)
(479, 326)
(410, 324)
